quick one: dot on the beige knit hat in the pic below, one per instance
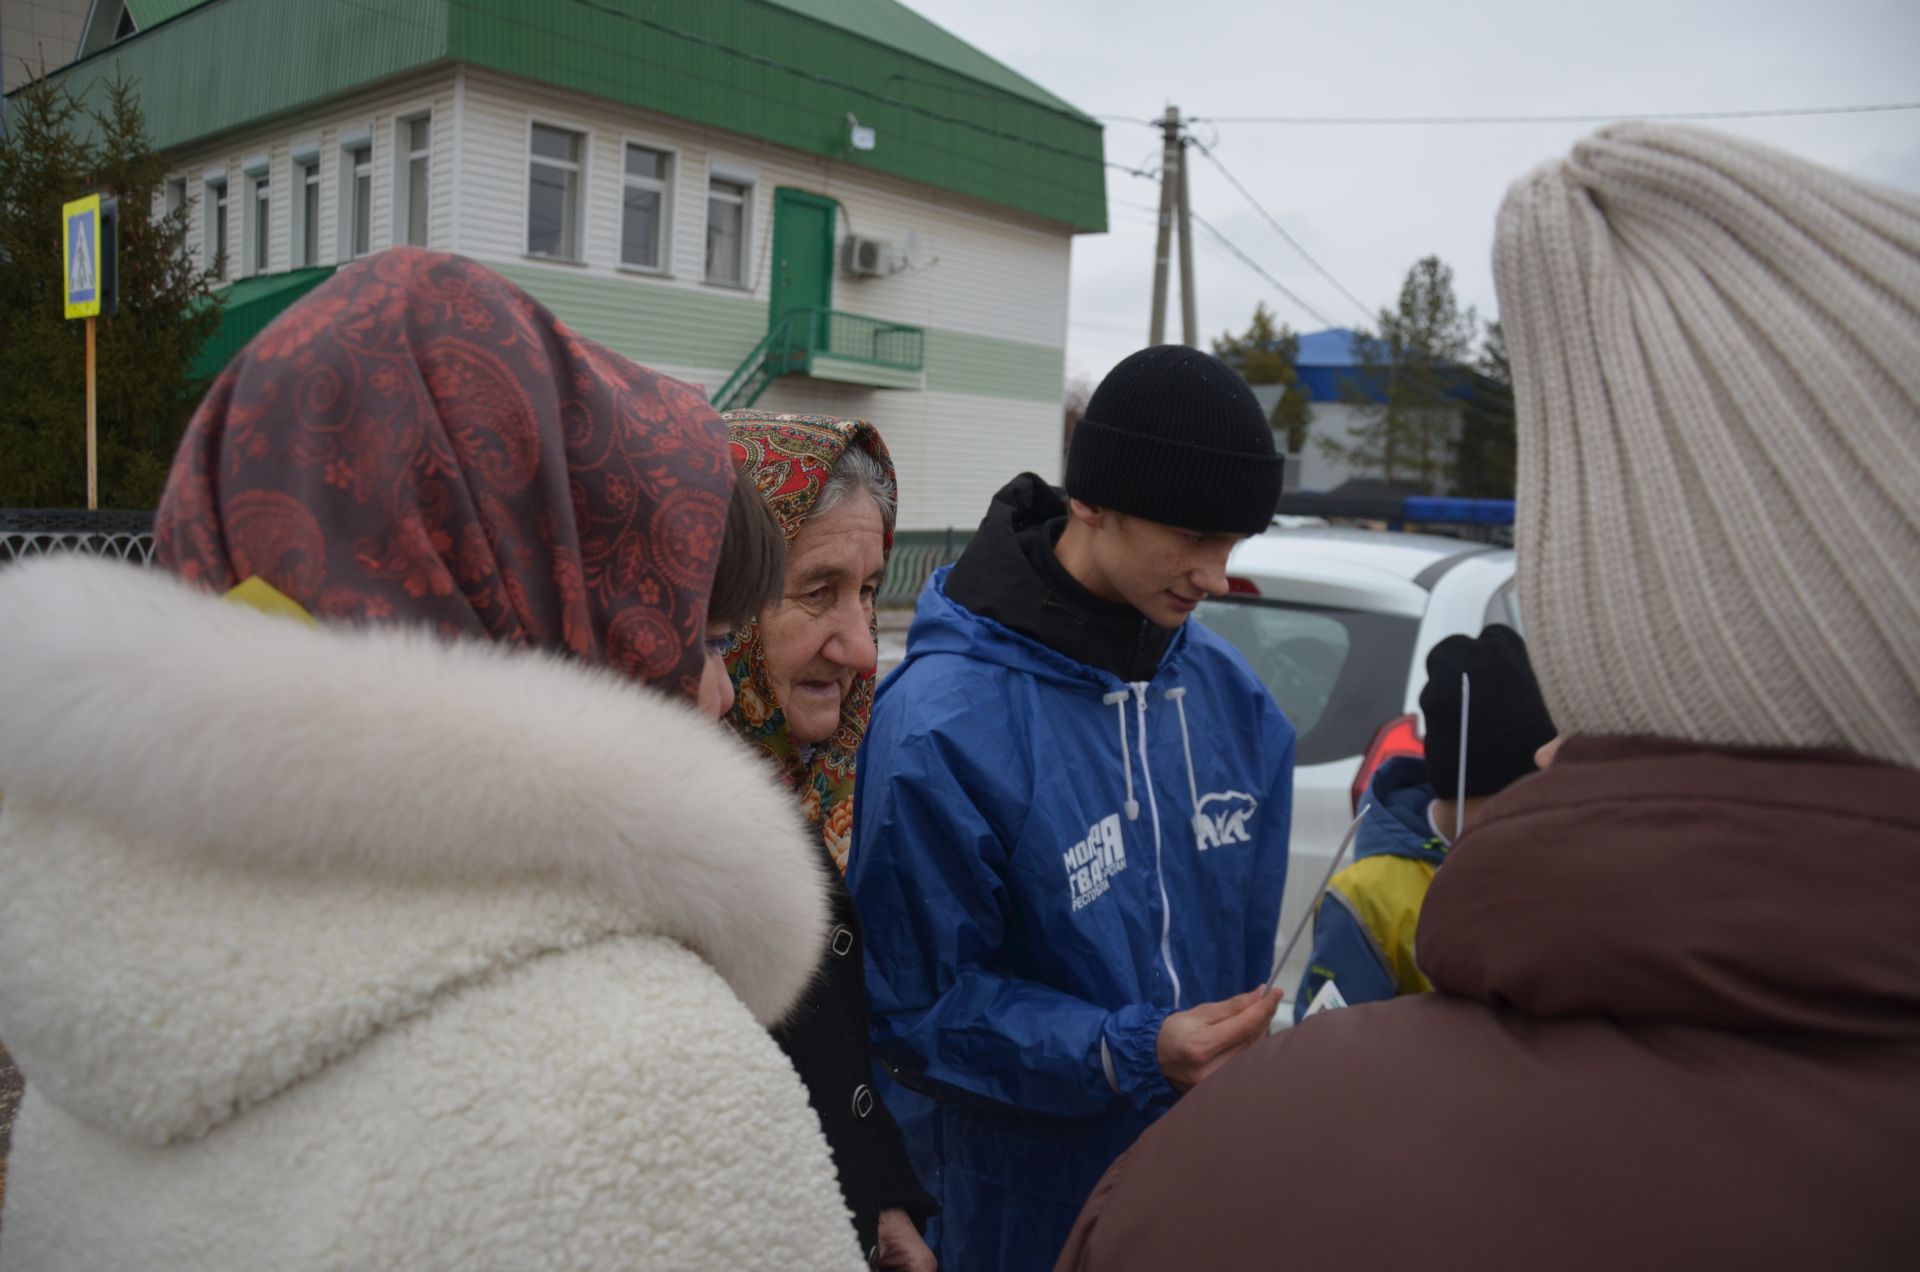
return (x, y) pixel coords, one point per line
(1716, 358)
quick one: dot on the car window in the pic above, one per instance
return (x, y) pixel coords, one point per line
(1338, 674)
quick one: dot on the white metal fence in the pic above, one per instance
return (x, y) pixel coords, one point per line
(24, 532)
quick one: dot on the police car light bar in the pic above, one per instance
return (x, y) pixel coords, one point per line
(1481, 512)
(1427, 509)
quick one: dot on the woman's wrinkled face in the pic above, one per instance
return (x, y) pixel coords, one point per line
(819, 635)
(716, 687)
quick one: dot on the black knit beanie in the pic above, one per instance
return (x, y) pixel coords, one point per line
(1174, 435)
(1506, 717)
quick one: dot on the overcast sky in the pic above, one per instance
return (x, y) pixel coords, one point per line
(1369, 201)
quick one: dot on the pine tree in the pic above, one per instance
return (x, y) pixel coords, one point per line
(1266, 354)
(1409, 378)
(56, 149)
(1483, 465)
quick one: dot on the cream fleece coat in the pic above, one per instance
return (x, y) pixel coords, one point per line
(327, 949)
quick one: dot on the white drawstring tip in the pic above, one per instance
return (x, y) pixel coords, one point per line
(1460, 783)
(1133, 810)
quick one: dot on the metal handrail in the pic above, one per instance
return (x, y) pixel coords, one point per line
(756, 362)
(858, 338)
(801, 335)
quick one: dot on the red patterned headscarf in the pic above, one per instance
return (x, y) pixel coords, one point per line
(790, 458)
(418, 440)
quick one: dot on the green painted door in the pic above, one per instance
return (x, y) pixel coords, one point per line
(802, 253)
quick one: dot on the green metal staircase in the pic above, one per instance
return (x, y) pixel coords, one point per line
(828, 345)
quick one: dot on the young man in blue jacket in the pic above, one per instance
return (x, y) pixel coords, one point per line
(1364, 927)
(1071, 814)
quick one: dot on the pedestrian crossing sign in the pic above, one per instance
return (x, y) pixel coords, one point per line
(82, 256)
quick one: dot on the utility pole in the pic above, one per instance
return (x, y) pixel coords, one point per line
(1170, 156)
(1188, 333)
(1174, 208)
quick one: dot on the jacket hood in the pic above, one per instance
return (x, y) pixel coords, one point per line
(234, 847)
(1662, 882)
(1009, 574)
(942, 625)
(1398, 826)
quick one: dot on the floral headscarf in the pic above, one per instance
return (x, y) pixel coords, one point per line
(790, 458)
(419, 440)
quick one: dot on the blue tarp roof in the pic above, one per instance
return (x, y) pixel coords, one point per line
(1327, 365)
(1326, 359)
(1331, 348)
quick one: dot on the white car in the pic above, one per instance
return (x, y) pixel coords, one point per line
(1337, 623)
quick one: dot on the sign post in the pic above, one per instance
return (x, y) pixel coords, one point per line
(90, 235)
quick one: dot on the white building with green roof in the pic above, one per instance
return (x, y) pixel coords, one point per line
(824, 206)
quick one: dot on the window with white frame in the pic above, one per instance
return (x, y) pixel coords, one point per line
(413, 179)
(646, 183)
(260, 226)
(727, 207)
(553, 192)
(216, 205)
(356, 197)
(306, 213)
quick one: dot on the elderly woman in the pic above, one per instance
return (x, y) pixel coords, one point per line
(803, 677)
(420, 921)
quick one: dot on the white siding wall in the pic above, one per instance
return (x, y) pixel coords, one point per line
(976, 269)
(1341, 422)
(378, 112)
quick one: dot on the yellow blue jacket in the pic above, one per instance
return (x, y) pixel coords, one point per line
(1363, 930)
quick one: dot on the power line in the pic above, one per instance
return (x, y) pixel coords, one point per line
(1257, 268)
(1244, 259)
(1281, 230)
(1370, 120)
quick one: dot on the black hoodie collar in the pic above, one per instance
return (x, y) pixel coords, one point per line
(1009, 573)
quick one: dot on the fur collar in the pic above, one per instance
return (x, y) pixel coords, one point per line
(214, 812)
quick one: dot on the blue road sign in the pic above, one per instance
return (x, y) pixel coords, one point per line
(82, 257)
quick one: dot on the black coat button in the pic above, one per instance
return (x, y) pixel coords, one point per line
(862, 1100)
(841, 942)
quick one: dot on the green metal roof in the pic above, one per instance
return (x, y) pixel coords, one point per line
(246, 307)
(150, 13)
(785, 71)
(900, 28)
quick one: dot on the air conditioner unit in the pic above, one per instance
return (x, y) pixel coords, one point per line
(865, 257)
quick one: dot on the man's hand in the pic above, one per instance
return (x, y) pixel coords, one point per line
(1195, 1042)
(900, 1244)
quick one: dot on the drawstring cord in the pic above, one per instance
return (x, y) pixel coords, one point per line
(1178, 697)
(1159, 867)
(1118, 701)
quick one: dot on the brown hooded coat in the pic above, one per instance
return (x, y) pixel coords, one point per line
(1678, 1026)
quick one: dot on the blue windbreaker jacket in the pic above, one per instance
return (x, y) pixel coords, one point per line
(1363, 929)
(1048, 862)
